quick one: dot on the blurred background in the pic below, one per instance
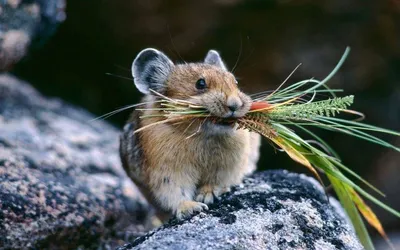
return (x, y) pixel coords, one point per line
(87, 60)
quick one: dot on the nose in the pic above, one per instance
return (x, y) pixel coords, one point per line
(233, 103)
(233, 107)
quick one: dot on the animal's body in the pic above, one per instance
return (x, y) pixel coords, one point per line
(182, 167)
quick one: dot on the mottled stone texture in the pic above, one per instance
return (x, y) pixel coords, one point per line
(24, 21)
(271, 210)
(61, 181)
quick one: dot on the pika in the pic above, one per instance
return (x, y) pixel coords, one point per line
(178, 173)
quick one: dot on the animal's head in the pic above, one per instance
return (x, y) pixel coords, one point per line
(207, 83)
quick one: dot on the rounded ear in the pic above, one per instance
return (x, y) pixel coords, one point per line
(214, 58)
(150, 70)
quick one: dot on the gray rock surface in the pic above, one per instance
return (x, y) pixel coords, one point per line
(61, 181)
(25, 21)
(271, 210)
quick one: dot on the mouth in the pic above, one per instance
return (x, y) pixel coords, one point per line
(225, 122)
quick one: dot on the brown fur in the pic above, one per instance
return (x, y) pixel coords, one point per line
(175, 165)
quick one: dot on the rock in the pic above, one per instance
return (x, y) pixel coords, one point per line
(61, 181)
(21, 22)
(271, 210)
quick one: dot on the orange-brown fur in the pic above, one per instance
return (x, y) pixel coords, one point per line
(193, 161)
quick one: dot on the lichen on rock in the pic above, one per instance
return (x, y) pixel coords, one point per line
(270, 210)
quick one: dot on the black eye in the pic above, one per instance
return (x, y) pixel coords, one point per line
(201, 84)
(236, 81)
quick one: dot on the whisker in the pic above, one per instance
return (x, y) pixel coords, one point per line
(240, 54)
(121, 67)
(163, 96)
(249, 54)
(105, 116)
(173, 45)
(118, 76)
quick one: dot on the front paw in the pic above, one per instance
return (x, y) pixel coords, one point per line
(208, 193)
(187, 208)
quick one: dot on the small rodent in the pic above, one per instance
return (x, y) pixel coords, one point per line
(182, 167)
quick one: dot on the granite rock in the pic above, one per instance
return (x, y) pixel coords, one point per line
(271, 210)
(61, 182)
(23, 22)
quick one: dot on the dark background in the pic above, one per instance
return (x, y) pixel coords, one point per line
(266, 39)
